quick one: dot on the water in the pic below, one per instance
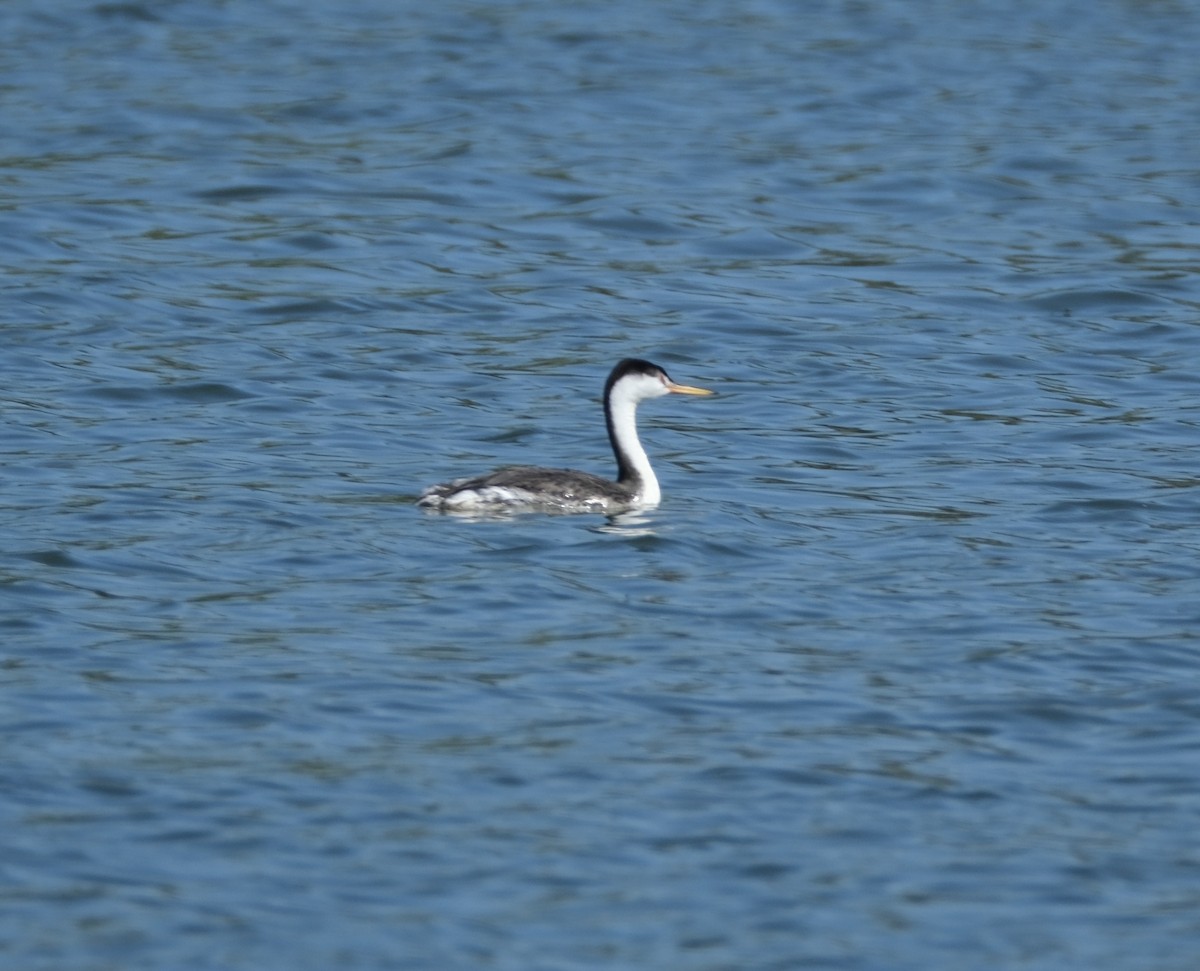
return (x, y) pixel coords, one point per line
(901, 674)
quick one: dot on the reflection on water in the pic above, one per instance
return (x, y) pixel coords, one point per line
(631, 523)
(909, 641)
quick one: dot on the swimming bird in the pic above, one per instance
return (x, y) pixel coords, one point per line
(631, 382)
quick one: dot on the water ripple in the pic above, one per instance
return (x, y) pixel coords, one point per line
(898, 671)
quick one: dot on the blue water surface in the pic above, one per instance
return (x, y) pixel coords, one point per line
(901, 675)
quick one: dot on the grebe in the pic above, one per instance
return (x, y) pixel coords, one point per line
(566, 490)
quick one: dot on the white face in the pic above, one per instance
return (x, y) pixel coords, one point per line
(639, 385)
(643, 386)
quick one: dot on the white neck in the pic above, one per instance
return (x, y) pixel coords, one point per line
(625, 442)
